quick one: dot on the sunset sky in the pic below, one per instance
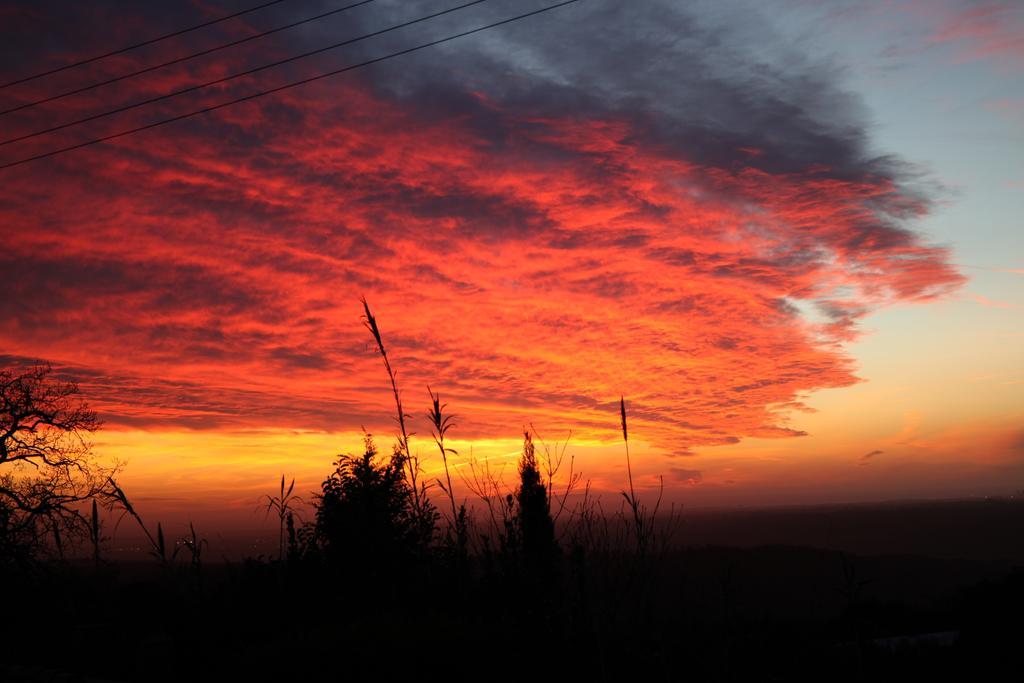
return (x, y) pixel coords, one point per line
(788, 233)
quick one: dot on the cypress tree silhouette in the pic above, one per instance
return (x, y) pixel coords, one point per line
(536, 528)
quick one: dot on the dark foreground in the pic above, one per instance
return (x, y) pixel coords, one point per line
(706, 613)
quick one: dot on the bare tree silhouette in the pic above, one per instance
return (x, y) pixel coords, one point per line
(47, 467)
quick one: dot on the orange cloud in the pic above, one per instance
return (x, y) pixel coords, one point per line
(218, 288)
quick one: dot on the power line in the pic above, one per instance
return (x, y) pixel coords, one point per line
(240, 74)
(286, 86)
(179, 60)
(136, 46)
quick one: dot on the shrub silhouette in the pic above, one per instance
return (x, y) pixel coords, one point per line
(365, 518)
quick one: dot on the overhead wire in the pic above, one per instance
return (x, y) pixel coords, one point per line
(128, 48)
(286, 86)
(240, 74)
(184, 58)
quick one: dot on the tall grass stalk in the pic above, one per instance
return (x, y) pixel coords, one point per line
(631, 499)
(643, 524)
(158, 547)
(194, 545)
(440, 424)
(283, 506)
(418, 492)
(121, 498)
(160, 551)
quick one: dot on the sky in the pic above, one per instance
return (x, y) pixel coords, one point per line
(788, 233)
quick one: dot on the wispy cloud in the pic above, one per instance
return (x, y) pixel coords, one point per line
(688, 477)
(985, 30)
(864, 459)
(990, 303)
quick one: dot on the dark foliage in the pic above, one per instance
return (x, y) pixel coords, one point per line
(536, 529)
(365, 518)
(370, 590)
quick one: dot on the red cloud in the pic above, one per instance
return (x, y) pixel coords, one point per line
(208, 274)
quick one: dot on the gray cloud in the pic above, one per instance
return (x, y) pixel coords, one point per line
(868, 456)
(715, 86)
(686, 476)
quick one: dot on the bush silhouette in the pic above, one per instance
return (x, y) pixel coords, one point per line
(365, 516)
